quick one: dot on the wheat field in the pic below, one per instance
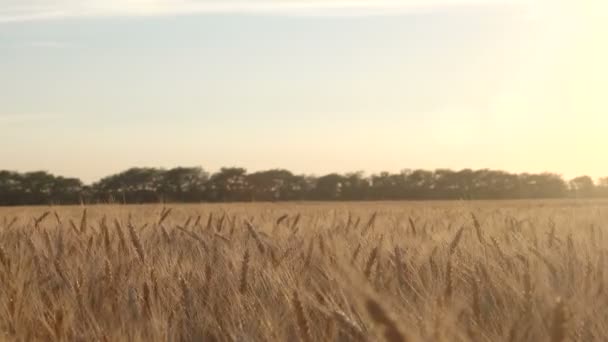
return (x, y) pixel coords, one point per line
(436, 271)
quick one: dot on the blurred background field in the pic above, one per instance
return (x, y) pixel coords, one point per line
(395, 271)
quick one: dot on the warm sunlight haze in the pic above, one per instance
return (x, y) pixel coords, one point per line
(303, 170)
(93, 87)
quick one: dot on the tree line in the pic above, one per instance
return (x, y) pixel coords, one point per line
(194, 184)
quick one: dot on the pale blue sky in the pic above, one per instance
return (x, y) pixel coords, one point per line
(88, 90)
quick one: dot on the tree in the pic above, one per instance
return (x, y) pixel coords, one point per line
(36, 187)
(328, 187)
(10, 188)
(66, 190)
(419, 184)
(582, 186)
(184, 184)
(447, 184)
(490, 184)
(275, 185)
(355, 186)
(230, 184)
(602, 187)
(545, 185)
(387, 186)
(135, 185)
(193, 184)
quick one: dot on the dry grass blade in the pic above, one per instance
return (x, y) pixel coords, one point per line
(187, 299)
(57, 218)
(147, 300)
(136, 242)
(370, 262)
(372, 220)
(106, 236)
(60, 272)
(59, 325)
(74, 228)
(311, 247)
(353, 259)
(210, 221)
(478, 230)
(39, 220)
(546, 261)
(187, 222)
(301, 318)
(399, 267)
(412, 226)
(164, 215)
(83, 221)
(197, 222)
(221, 237)
(456, 241)
(11, 223)
(295, 222)
(256, 237)
(449, 287)
(379, 315)
(353, 329)
(558, 324)
(4, 258)
(122, 242)
(244, 272)
(194, 236)
(281, 219)
(476, 301)
(165, 234)
(220, 223)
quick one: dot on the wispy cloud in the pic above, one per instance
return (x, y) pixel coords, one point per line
(31, 10)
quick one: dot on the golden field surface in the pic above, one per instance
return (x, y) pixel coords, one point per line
(398, 271)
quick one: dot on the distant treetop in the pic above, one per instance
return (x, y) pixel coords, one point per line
(194, 184)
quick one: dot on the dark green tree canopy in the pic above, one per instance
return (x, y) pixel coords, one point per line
(194, 184)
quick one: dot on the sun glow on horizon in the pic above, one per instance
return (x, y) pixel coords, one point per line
(560, 87)
(518, 85)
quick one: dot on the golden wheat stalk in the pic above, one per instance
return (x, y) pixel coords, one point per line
(301, 318)
(380, 316)
(136, 242)
(244, 272)
(256, 237)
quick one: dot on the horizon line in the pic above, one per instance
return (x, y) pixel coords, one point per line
(364, 173)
